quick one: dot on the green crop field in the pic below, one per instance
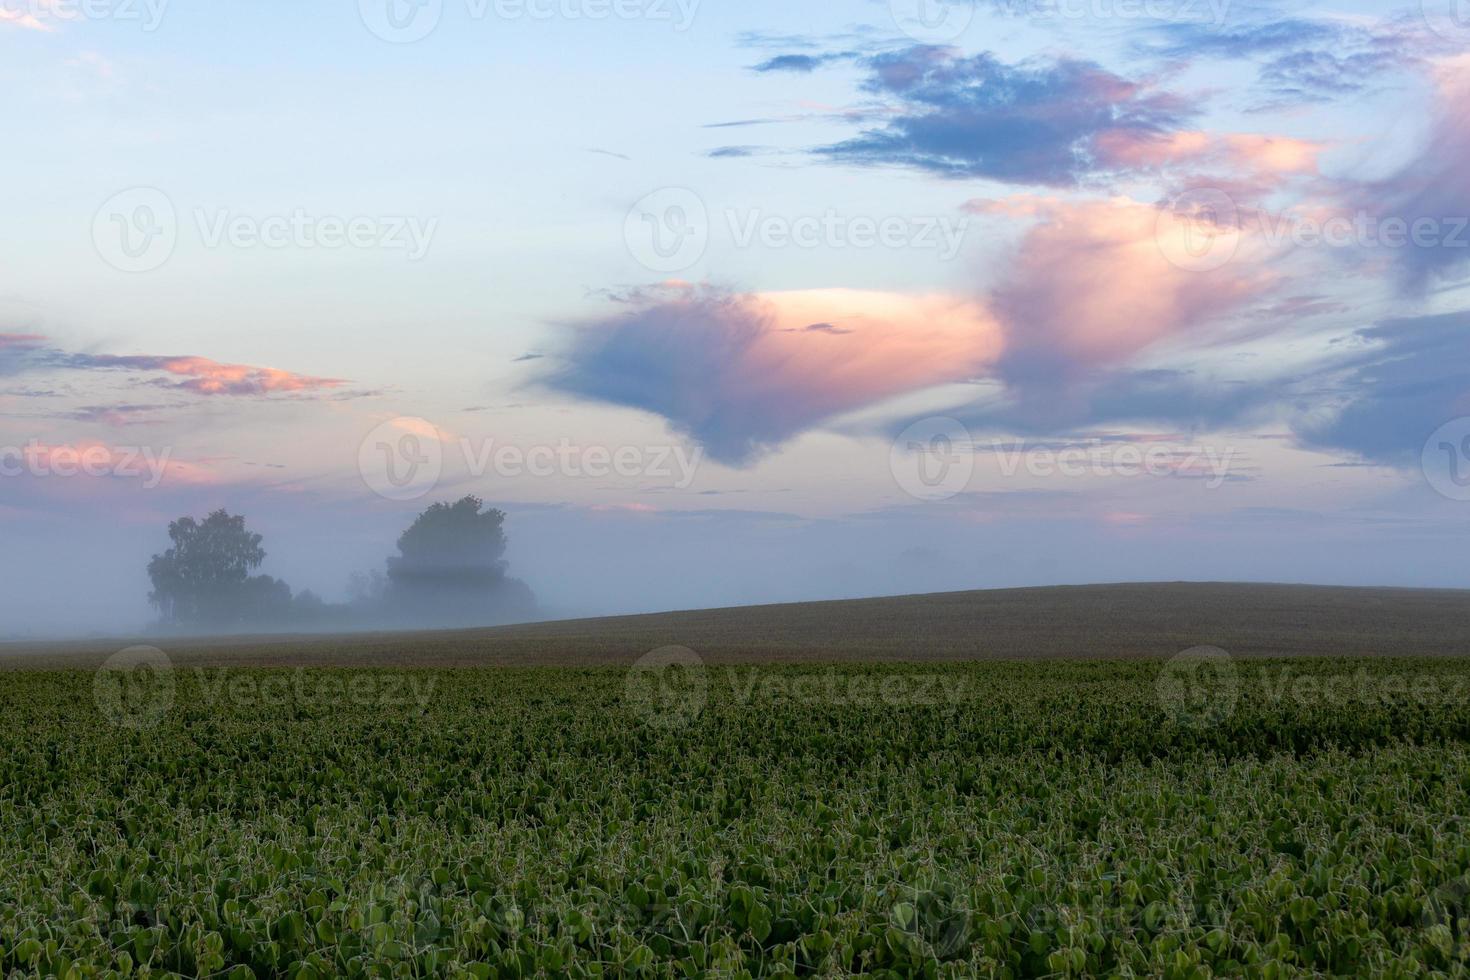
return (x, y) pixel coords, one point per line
(1195, 817)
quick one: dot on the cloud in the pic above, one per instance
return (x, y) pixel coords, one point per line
(1237, 153)
(741, 373)
(117, 416)
(1433, 188)
(1408, 378)
(1038, 122)
(803, 64)
(1088, 290)
(1300, 60)
(201, 375)
(734, 152)
(1092, 285)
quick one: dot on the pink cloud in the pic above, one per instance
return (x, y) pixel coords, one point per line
(1092, 285)
(1239, 152)
(1096, 282)
(744, 372)
(207, 377)
(202, 376)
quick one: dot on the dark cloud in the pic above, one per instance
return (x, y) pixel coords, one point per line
(1031, 123)
(802, 64)
(733, 152)
(1412, 376)
(1179, 399)
(1377, 401)
(1430, 192)
(1300, 60)
(678, 357)
(735, 123)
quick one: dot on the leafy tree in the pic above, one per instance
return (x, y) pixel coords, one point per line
(205, 580)
(449, 567)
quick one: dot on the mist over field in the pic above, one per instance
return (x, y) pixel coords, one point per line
(581, 564)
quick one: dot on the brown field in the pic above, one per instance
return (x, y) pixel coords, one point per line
(1096, 621)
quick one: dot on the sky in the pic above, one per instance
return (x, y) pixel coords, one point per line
(728, 303)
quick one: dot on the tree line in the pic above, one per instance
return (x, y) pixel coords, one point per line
(449, 571)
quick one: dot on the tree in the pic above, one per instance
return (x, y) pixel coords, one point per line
(449, 567)
(204, 579)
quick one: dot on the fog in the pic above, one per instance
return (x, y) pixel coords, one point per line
(84, 573)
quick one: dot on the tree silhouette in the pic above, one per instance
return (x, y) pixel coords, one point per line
(204, 579)
(449, 567)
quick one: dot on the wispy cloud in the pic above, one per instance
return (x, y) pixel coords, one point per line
(199, 375)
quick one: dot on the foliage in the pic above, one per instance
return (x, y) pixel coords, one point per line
(450, 568)
(204, 578)
(999, 819)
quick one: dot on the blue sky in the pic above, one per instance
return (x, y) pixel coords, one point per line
(1087, 231)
